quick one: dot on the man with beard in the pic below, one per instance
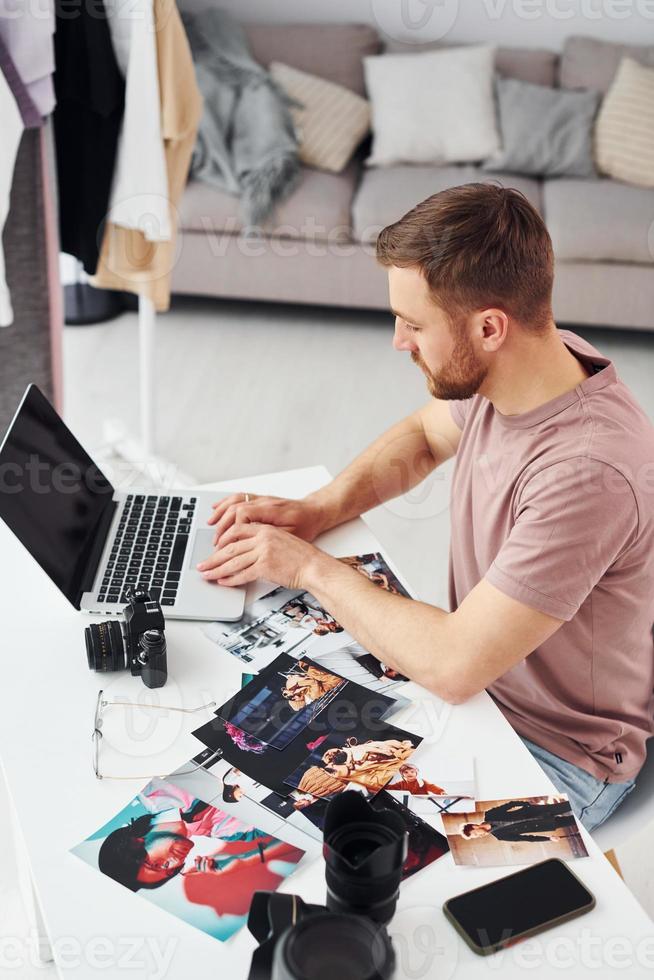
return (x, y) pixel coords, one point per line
(552, 509)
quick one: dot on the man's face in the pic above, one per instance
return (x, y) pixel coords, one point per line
(479, 830)
(444, 353)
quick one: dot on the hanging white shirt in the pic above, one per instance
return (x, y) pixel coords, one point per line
(27, 28)
(12, 130)
(139, 195)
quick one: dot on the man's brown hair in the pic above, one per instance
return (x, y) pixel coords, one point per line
(477, 245)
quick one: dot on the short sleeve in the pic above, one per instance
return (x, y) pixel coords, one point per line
(460, 409)
(573, 520)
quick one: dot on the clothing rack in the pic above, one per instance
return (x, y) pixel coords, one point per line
(136, 131)
(140, 454)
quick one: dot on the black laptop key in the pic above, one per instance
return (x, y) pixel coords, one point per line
(173, 576)
(179, 550)
(176, 503)
(167, 602)
(169, 593)
(155, 592)
(130, 579)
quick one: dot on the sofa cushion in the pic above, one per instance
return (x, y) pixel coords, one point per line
(534, 65)
(624, 135)
(599, 220)
(411, 125)
(331, 120)
(332, 51)
(587, 63)
(318, 208)
(386, 194)
(560, 144)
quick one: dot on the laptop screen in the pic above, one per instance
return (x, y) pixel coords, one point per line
(52, 495)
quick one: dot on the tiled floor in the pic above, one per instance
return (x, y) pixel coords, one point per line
(247, 388)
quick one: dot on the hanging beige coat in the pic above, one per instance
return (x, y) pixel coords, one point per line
(128, 261)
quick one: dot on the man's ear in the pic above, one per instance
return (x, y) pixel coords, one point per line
(493, 326)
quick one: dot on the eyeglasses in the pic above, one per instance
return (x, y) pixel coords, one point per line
(101, 704)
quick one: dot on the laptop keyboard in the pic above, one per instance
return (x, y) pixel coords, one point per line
(148, 549)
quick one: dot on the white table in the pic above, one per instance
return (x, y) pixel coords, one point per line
(97, 928)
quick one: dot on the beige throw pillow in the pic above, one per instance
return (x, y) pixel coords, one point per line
(624, 132)
(332, 122)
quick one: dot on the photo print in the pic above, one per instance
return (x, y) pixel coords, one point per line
(190, 858)
(357, 717)
(292, 698)
(376, 568)
(426, 845)
(357, 665)
(361, 763)
(226, 787)
(259, 636)
(306, 613)
(282, 701)
(517, 831)
(431, 783)
(293, 621)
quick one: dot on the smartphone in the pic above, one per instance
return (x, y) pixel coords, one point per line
(522, 904)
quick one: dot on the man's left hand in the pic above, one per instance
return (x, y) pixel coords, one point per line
(251, 551)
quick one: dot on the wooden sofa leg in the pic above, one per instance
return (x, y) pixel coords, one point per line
(612, 859)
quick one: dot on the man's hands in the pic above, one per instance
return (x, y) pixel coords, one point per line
(251, 551)
(303, 518)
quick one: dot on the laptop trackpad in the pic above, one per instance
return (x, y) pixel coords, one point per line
(203, 546)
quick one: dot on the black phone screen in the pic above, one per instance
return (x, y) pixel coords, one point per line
(496, 914)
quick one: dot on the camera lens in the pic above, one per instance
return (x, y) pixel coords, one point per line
(327, 946)
(364, 851)
(105, 646)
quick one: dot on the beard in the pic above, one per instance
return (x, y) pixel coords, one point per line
(461, 377)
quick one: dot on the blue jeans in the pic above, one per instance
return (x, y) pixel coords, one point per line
(592, 800)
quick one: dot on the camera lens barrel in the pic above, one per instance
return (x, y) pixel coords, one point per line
(364, 851)
(105, 646)
(364, 870)
(328, 946)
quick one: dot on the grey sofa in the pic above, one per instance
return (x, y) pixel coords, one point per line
(320, 247)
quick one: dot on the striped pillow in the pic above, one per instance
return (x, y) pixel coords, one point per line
(332, 122)
(624, 132)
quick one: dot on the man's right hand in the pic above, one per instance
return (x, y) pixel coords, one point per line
(304, 518)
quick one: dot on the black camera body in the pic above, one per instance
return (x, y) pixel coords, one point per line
(138, 642)
(297, 940)
(364, 850)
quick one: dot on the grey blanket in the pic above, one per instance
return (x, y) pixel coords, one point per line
(246, 141)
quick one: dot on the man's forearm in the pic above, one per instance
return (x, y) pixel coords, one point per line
(409, 636)
(397, 461)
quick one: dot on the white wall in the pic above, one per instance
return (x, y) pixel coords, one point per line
(529, 23)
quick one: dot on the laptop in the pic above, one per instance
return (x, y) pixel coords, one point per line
(95, 542)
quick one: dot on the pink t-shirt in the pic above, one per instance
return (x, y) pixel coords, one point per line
(555, 508)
